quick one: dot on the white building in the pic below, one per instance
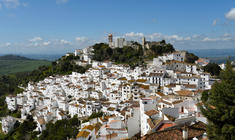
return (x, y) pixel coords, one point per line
(8, 124)
(119, 42)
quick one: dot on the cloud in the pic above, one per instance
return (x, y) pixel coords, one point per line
(157, 36)
(11, 3)
(61, 1)
(179, 39)
(81, 39)
(207, 39)
(227, 39)
(46, 43)
(227, 35)
(35, 39)
(174, 37)
(7, 44)
(133, 34)
(0, 6)
(64, 42)
(160, 36)
(231, 14)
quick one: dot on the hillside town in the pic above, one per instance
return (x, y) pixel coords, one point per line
(161, 99)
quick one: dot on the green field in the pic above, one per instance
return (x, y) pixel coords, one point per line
(13, 66)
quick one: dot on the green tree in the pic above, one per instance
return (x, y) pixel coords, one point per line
(219, 106)
(191, 58)
(61, 130)
(228, 74)
(212, 68)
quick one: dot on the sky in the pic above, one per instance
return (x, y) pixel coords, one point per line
(61, 26)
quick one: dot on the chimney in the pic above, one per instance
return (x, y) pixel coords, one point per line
(185, 132)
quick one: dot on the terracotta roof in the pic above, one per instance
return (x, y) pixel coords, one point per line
(170, 85)
(165, 125)
(170, 117)
(160, 94)
(156, 74)
(176, 133)
(178, 101)
(190, 86)
(90, 127)
(113, 135)
(144, 86)
(83, 134)
(106, 118)
(111, 109)
(184, 93)
(141, 80)
(131, 81)
(165, 102)
(150, 123)
(151, 112)
(41, 121)
(122, 78)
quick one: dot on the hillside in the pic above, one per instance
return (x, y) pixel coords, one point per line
(12, 64)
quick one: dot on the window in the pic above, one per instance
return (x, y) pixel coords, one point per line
(182, 109)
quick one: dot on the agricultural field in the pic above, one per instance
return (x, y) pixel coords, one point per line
(16, 64)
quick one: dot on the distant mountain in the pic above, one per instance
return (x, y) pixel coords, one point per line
(215, 55)
(50, 57)
(214, 52)
(13, 57)
(220, 60)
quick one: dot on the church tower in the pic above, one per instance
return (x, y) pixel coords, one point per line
(110, 38)
(143, 42)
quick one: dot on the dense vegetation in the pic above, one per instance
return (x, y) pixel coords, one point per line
(61, 130)
(125, 55)
(23, 131)
(130, 55)
(157, 50)
(13, 64)
(219, 106)
(212, 68)
(190, 57)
